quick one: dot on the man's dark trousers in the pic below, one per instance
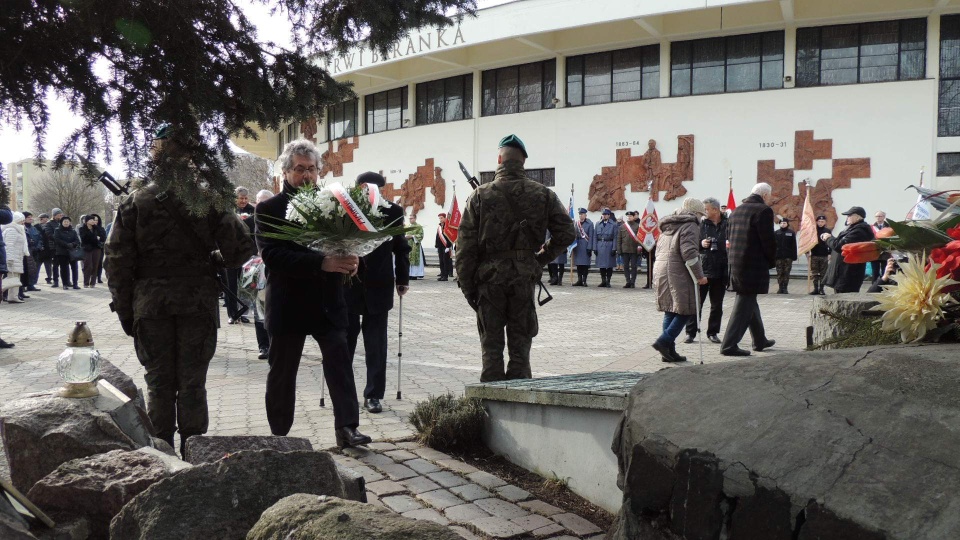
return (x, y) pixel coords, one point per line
(446, 262)
(285, 352)
(715, 288)
(374, 328)
(746, 315)
(630, 267)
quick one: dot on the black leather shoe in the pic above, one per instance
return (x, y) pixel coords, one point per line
(765, 345)
(348, 437)
(736, 351)
(244, 320)
(33, 289)
(443, 279)
(264, 353)
(645, 287)
(373, 405)
(5, 344)
(689, 339)
(76, 287)
(676, 355)
(713, 338)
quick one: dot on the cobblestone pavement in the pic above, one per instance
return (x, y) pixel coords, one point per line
(422, 483)
(582, 330)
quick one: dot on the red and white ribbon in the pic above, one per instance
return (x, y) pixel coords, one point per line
(631, 233)
(351, 207)
(373, 195)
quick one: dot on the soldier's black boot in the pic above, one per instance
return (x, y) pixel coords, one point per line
(348, 437)
(816, 287)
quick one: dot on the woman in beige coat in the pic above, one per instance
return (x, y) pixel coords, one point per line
(677, 249)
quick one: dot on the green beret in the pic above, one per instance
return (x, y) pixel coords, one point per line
(514, 142)
(163, 131)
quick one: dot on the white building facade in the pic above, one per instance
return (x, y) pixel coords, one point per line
(858, 98)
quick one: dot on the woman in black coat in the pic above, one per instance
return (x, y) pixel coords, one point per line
(64, 240)
(92, 238)
(844, 277)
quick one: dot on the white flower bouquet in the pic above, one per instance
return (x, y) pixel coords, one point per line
(338, 220)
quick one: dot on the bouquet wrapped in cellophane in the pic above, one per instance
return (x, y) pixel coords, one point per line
(337, 220)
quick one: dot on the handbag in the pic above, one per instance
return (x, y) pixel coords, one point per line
(77, 253)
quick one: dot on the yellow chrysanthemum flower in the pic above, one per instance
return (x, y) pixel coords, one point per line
(915, 304)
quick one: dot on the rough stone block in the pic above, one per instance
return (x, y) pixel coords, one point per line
(539, 507)
(419, 484)
(381, 446)
(396, 471)
(384, 488)
(512, 493)
(533, 522)
(210, 448)
(421, 465)
(549, 530)
(457, 466)
(465, 513)
(431, 454)
(427, 514)
(400, 455)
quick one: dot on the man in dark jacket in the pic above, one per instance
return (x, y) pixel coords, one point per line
(752, 254)
(371, 299)
(36, 247)
(56, 215)
(819, 257)
(45, 255)
(304, 296)
(786, 254)
(841, 276)
(628, 246)
(444, 246)
(713, 259)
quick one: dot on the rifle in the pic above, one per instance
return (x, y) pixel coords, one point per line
(111, 184)
(474, 183)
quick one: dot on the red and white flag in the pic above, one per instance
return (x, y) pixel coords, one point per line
(649, 231)
(807, 237)
(452, 227)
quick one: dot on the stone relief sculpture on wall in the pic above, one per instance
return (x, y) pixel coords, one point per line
(413, 191)
(807, 149)
(644, 173)
(334, 161)
(309, 129)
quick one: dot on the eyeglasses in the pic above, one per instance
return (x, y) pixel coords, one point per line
(302, 170)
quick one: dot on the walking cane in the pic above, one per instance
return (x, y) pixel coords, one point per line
(696, 298)
(400, 348)
(323, 381)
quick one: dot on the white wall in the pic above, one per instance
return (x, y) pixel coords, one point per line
(890, 123)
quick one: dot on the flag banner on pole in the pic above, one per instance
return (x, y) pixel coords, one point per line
(731, 201)
(649, 231)
(921, 210)
(575, 238)
(807, 237)
(452, 227)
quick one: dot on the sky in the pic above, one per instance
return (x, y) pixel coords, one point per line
(19, 145)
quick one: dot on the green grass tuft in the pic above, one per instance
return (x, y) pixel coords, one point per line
(449, 423)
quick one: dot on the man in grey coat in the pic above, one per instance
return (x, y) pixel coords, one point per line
(584, 249)
(606, 246)
(752, 254)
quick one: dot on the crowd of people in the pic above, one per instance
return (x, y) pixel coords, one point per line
(703, 251)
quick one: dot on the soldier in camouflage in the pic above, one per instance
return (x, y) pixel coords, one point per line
(503, 225)
(164, 288)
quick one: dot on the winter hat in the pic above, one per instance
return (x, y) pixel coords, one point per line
(18, 217)
(56, 211)
(694, 205)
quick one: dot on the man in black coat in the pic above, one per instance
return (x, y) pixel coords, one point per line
(49, 228)
(713, 259)
(841, 276)
(752, 255)
(304, 296)
(370, 299)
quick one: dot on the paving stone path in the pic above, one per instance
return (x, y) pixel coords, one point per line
(422, 483)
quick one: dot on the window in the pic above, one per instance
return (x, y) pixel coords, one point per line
(445, 100)
(949, 117)
(342, 120)
(624, 75)
(862, 53)
(386, 110)
(727, 64)
(546, 177)
(285, 136)
(948, 164)
(514, 89)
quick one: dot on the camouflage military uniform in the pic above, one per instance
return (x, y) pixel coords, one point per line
(162, 282)
(503, 225)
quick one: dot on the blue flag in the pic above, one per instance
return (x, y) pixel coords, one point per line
(574, 244)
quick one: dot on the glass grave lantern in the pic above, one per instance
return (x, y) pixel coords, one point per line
(79, 364)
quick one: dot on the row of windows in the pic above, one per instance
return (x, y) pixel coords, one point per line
(828, 55)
